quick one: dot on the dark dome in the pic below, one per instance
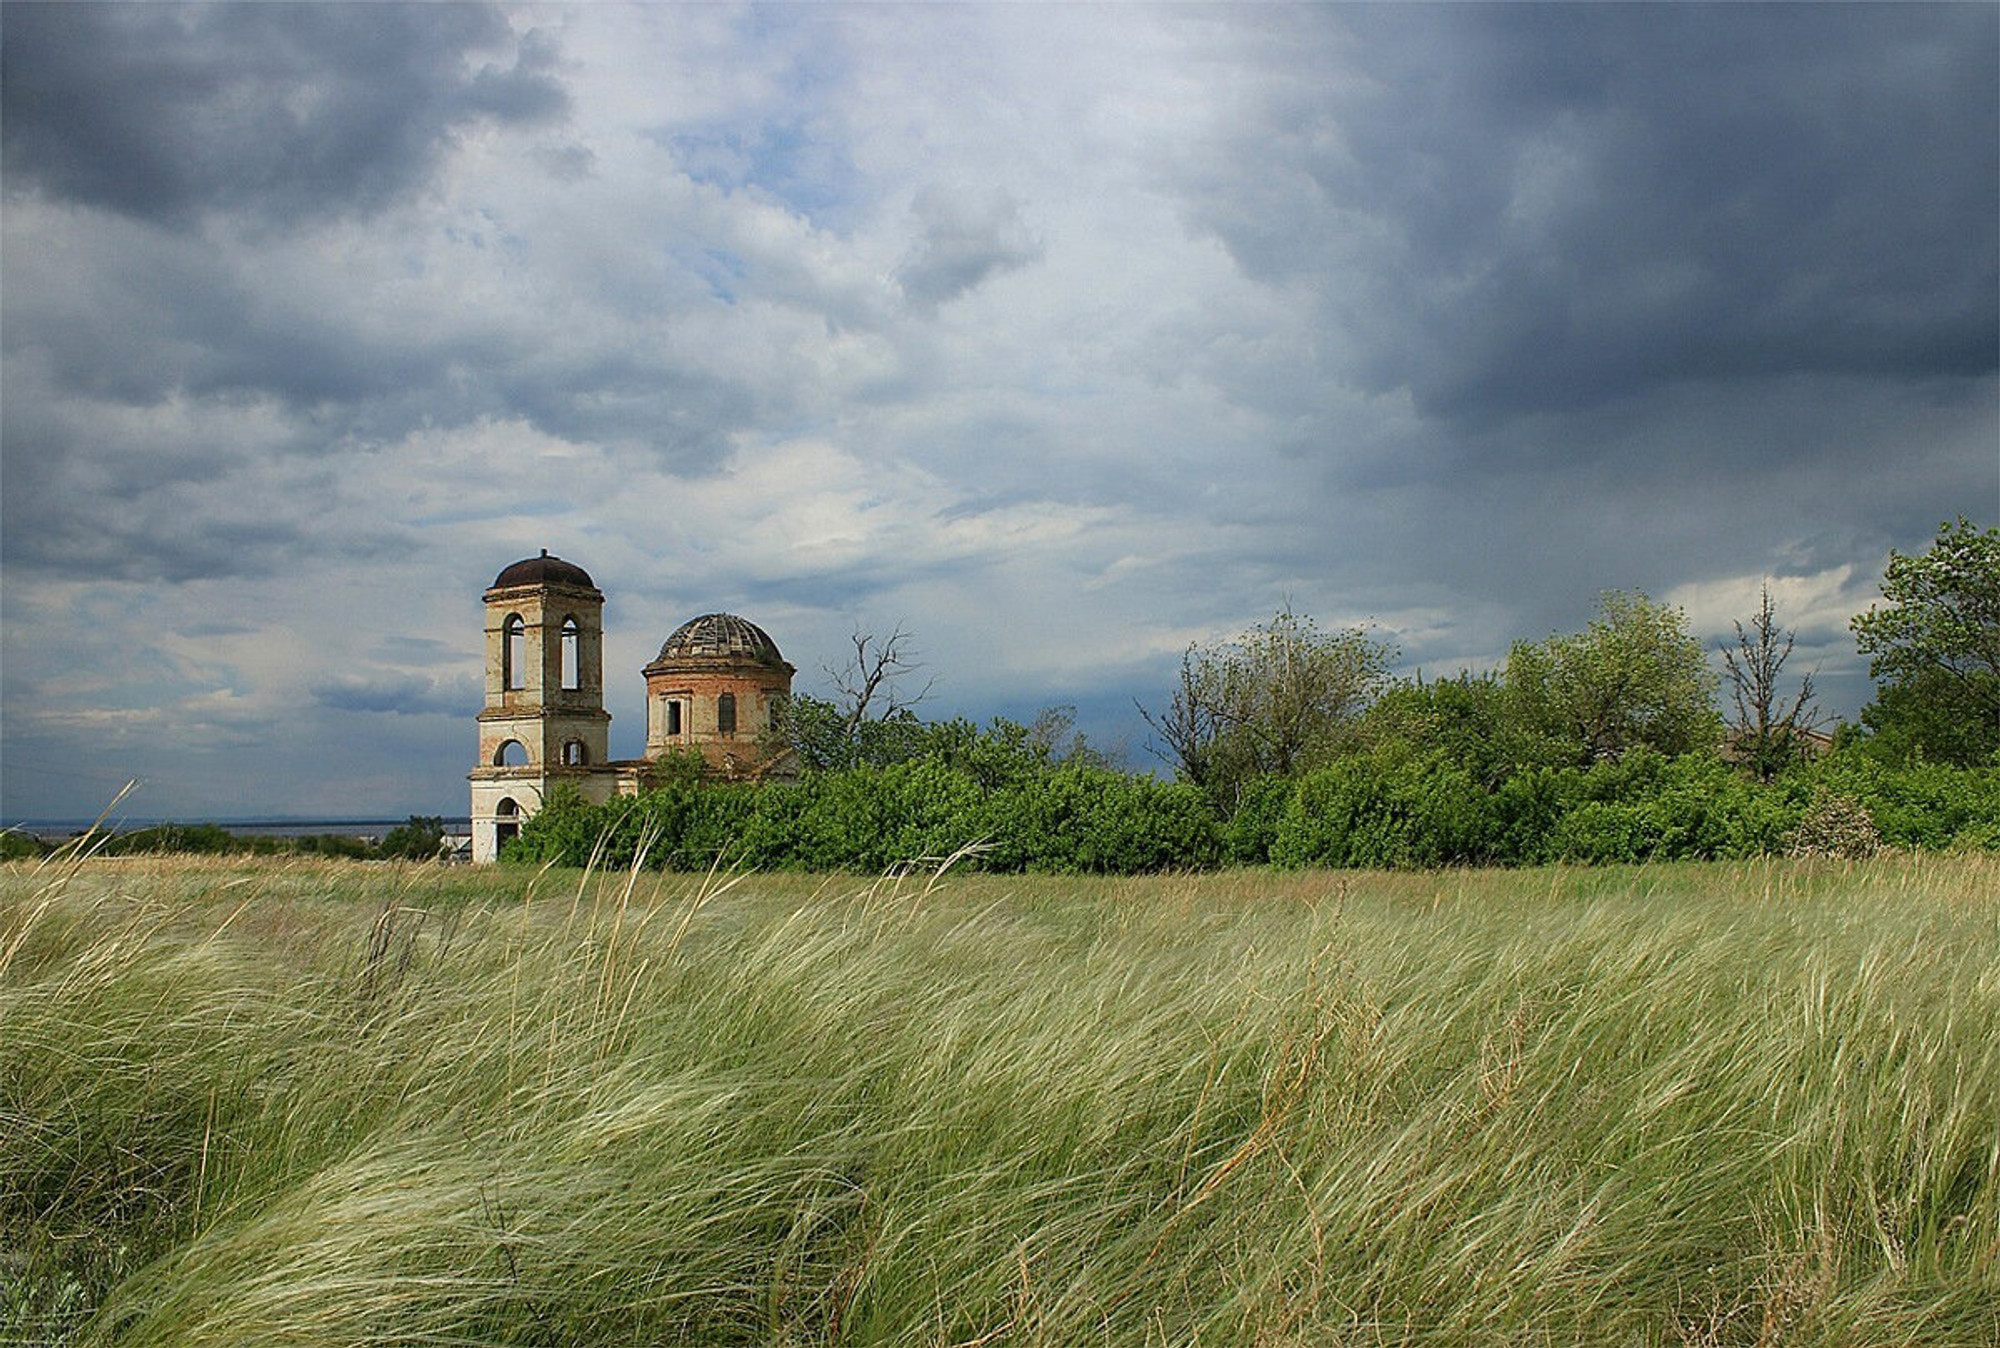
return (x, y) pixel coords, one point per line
(543, 570)
(724, 635)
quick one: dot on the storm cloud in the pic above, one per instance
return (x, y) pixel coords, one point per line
(1063, 336)
(290, 112)
(1551, 208)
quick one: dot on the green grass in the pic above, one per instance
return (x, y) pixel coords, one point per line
(323, 1103)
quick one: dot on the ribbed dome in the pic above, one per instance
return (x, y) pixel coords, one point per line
(543, 570)
(721, 635)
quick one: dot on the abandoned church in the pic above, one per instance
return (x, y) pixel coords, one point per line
(711, 690)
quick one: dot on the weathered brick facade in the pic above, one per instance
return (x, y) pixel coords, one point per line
(712, 690)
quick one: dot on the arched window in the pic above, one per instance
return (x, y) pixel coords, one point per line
(514, 653)
(506, 823)
(510, 754)
(572, 664)
(725, 714)
(574, 754)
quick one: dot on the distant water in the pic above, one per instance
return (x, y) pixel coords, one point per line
(249, 828)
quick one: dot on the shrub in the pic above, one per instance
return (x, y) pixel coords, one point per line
(1834, 825)
(419, 840)
(1385, 811)
(1250, 831)
(15, 844)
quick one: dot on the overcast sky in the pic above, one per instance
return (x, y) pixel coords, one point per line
(1062, 336)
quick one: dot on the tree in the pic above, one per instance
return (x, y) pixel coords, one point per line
(1633, 678)
(1935, 651)
(1768, 734)
(872, 680)
(873, 722)
(1462, 717)
(1281, 698)
(419, 840)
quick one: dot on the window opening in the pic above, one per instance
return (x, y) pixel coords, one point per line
(725, 714)
(670, 717)
(514, 654)
(507, 822)
(571, 667)
(510, 754)
(574, 754)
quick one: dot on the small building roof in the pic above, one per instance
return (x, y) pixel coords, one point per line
(543, 570)
(721, 636)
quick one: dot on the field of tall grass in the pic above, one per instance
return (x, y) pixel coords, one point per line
(312, 1102)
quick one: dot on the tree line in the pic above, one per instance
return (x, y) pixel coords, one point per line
(1292, 745)
(420, 838)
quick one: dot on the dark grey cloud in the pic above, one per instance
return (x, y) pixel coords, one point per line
(1521, 208)
(93, 493)
(682, 416)
(397, 694)
(291, 112)
(961, 243)
(409, 650)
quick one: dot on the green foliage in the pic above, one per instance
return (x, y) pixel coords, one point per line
(1392, 807)
(421, 839)
(1935, 651)
(1251, 829)
(1646, 807)
(1085, 820)
(827, 738)
(1922, 805)
(16, 845)
(199, 839)
(1463, 718)
(1282, 698)
(1385, 811)
(340, 845)
(1633, 679)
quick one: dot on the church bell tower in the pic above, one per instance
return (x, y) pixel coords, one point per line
(544, 719)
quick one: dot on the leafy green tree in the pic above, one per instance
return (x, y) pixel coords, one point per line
(825, 737)
(1634, 678)
(873, 722)
(15, 844)
(419, 840)
(1464, 718)
(1003, 752)
(1282, 698)
(1934, 652)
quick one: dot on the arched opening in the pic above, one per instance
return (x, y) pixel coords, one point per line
(574, 754)
(572, 655)
(725, 714)
(514, 654)
(511, 754)
(506, 822)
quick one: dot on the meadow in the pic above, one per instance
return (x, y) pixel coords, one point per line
(318, 1102)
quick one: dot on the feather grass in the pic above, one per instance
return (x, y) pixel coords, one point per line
(310, 1102)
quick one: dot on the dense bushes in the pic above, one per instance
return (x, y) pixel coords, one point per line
(1068, 818)
(1293, 748)
(1391, 807)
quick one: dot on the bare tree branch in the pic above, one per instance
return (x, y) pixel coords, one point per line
(872, 679)
(1767, 733)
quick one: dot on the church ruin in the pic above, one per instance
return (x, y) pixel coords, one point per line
(711, 691)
